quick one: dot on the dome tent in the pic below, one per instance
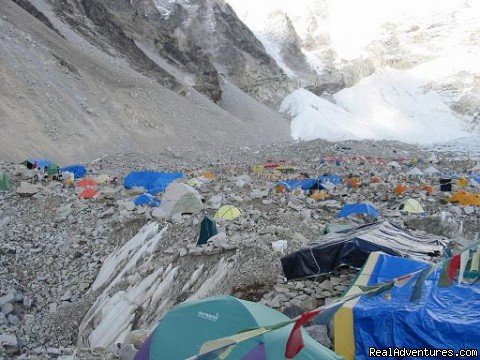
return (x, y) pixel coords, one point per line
(411, 206)
(228, 212)
(222, 316)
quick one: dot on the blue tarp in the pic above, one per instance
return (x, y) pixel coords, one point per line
(334, 179)
(352, 209)
(146, 199)
(304, 184)
(445, 318)
(41, 163)
(153, 182)
(79, 171)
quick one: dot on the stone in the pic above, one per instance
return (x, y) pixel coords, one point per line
(26, 189)
(469, 210)
(27, 302)
(10, 297)
(127, 352)
(293, 311)
(320, 334)
(7, 308)
(335, 280)
(259, 194)
(215, 201)
(52, 307)
(136, 338)
(13, 319)
(54, 351)
(325, 285)
(67, 296)
(9, 342)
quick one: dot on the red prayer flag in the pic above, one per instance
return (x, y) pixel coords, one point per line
(295, 340)
(454, 266)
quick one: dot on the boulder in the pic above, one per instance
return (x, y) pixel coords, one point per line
(179, 198)
(320, 334)
(27, 189)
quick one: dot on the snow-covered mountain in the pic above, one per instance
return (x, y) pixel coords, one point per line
(406, 70)
(107, 73)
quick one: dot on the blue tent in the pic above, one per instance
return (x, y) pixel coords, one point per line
(334, 179)
(153, 182)
(79, 171)
(304, 184)
(40, 163)
(444, 318)
(362, 208)
(146, 199)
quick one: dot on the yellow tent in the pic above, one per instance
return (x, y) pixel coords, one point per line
(463, 182)
(411, 206)
(319, 195)
(285, 168)
(194, 183)
(228, 212)
(258, 169)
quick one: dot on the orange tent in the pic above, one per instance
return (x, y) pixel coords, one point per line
(400, 189)
(280, 189)
(88, 193)
(87, 183)
(353, 182)
(465, 198)
(429, 189)
(209, 175)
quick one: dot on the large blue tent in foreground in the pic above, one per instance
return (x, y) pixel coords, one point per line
(444, 318)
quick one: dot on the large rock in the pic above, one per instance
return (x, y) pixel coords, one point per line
(179, 198)
(27, 189)
(320, 334)
(9, 342)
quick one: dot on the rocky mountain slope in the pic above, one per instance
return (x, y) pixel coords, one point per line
(83, 77)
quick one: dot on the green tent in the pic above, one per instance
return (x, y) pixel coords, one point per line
(183, 330)
(4, 182)
(52, 170)
(208, 228)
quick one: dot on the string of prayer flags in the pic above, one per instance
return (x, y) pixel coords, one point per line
(295, 342)
(449, 270)
(373, 290)
(418, 287)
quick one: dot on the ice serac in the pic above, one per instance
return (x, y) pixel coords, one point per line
(132, 289)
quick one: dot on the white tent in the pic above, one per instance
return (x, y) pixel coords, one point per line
(415, 172)
(432, 170)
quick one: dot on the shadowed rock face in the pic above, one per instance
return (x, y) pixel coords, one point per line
(203, 39)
